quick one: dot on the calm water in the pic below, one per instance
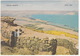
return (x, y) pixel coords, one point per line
(69, 21)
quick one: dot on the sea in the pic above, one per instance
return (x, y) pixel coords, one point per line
(66, 21)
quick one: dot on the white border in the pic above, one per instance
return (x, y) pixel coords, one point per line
(79, 25)
(0, 26)
(43, 55)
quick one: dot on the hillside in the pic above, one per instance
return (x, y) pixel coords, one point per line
(68, 44)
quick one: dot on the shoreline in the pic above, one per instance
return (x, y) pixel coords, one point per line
(65, 27)
(46, 26)
(57, 25)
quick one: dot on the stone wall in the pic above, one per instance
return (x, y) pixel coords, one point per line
(69, 45)
(35, 44)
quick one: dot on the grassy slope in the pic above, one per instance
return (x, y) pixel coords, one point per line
(54, 32)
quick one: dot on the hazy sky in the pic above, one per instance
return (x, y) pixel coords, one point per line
(59, 5)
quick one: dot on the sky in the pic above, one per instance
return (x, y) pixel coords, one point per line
(58, 5)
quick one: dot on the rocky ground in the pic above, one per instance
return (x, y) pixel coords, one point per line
(66, 44)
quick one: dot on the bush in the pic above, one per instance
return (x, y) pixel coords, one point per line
(67, 44)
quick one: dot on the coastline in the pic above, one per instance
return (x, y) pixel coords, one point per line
(65, 27)
(44, 24)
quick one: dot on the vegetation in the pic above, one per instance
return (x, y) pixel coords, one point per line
(31, 26)
(60, 33)
(35, 46)
(53, 32)
(67, 44)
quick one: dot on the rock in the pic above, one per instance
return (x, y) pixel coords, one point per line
(8, 20)
(53, 44)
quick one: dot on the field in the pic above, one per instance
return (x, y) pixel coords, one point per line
(54, 32)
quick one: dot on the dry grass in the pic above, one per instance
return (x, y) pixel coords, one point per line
(62, 51)
(59, 33)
